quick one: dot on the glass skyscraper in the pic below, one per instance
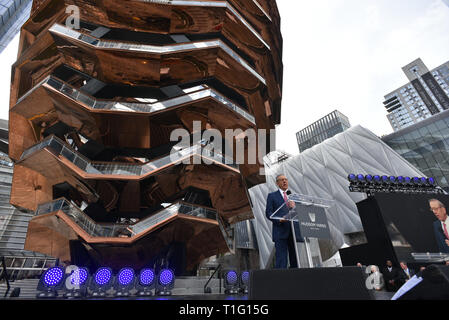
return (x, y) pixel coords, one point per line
(327, 127)
(425, 95)
(426, 146)
(13, 14)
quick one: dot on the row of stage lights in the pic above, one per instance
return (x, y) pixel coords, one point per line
(76, 282)
(376, 183)
(236, 283)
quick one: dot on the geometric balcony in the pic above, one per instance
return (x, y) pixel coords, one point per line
(204, 222)
(55, 95)
(53, 150)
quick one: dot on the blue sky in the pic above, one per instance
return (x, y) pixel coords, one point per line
(338, 54)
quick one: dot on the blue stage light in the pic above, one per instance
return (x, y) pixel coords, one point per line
(147, 277)
(126, 276)
(431, 181)
(416, 180)
(101, 281)
(76, 282)
(384, 179)
(423, 181)
(407, 180)
(231, 282)
(369, 178)
(146, 282)
(166, 277)
(103, 276)
(165, 282)
(401, 180)
(51, 281)
(244, 281)
(360, 178)
(79, 276)
(352, 177)
(231, 277)
(377, 179)
(53, 277)
(392, 179)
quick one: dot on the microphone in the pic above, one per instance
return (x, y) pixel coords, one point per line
(289, 192)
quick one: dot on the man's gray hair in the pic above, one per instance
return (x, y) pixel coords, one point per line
(279, 175)
(436, 200)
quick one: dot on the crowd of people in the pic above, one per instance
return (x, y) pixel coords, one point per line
(390, 278)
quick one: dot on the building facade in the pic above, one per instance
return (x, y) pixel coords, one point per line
(426, 146)
(325, 128)
(425, 95)
(322, 171)
(13, 14)
(93, 111)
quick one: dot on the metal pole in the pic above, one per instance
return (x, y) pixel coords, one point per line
(292, 224)
(308, 252)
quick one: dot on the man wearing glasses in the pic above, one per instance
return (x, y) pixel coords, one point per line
(441, 226)
(281, 233)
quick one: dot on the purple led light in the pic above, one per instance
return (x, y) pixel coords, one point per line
(79, 276)
(231, 277)
(245, 277)
(126, 276)
(166, 277)
(53, 276)
(146, 277)
(103, 276)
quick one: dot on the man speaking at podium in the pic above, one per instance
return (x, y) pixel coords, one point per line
(282, 232)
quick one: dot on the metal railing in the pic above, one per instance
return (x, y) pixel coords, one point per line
(16, 267)
(95, 229)
(151, 49)
(192, 94)
(59, 148)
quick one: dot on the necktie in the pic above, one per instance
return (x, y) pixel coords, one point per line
(286, 198)
(445, 231)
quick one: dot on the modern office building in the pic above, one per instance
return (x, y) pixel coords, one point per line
(425, 95)
(13, 14)
(322, 171)
(93, 111)
(426, 146)
(325, 128)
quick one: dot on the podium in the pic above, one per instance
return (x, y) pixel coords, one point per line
(310, 213)
(428, 257)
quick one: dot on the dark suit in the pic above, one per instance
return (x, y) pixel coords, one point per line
(395, 275)
(281, 232)
(404, 277)
(440, 237)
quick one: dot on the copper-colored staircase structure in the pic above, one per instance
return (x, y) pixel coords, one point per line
(91, 114)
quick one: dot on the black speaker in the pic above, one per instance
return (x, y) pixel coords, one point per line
(346, 283)
(434, 286)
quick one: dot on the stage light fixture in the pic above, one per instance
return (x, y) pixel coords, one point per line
(360, 178)
(50, 282)
(392, 179)
(431, 181)
(352, 177)
(231, 281)
(244, 281)
(101, 282)
(369, 178)
(124, 282)
(377, 179)
(76, 282)
(165, 282)
(400, 180)
(385, 179)
(146, 282)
